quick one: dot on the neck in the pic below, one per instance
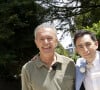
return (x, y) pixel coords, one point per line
(47, 59)
(91, 59)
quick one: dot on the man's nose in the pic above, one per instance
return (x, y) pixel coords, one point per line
(85, 48)
(46, 40)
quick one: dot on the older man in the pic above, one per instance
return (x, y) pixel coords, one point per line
(48, 70)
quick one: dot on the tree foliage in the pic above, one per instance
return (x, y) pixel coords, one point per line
(18, 18)
(96, 30)
(90, 13)
(81, 12)
(61, 50)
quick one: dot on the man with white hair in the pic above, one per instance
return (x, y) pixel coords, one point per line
(48, 70)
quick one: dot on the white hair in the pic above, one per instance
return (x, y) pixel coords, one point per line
(45, 25)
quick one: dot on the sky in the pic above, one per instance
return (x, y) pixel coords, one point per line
(65, 40)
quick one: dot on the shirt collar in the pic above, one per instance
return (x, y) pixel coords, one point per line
(97, 59)
(39, 63)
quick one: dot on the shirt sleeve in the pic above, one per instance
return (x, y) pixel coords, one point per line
(25, 80)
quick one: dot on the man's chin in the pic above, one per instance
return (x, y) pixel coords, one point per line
(47, 50)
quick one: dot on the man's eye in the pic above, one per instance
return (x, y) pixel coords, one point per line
(41, 39)
(80, 46)
(88, 44)
(49, 38)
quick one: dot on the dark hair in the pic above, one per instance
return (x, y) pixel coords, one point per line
(81, 33)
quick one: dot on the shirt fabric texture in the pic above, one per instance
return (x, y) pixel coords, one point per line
(36, 76)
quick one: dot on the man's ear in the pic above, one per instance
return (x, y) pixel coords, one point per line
(96, 43)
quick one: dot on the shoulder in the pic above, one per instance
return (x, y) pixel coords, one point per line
(80, 62)
(31, 63)
(64, 59)
(27, 67)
